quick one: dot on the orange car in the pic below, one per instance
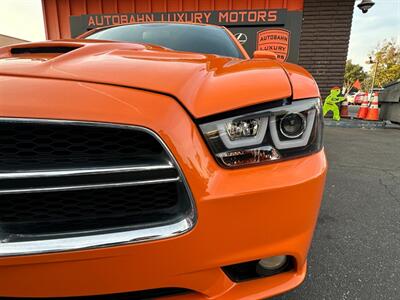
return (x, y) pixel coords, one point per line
(156, 160)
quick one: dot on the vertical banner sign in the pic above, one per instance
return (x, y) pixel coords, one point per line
(276, 30)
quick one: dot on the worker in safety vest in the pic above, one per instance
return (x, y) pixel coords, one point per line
(331, 101)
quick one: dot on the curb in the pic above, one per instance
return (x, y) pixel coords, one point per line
(356, 123)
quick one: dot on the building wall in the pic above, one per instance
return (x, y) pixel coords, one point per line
(325, 39)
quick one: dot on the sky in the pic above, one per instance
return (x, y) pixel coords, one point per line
(381, 22)
(24, 19)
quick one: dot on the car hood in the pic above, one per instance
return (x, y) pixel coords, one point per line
(204, 84)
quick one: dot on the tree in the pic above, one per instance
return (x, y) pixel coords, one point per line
(352, 73)
(386, 58)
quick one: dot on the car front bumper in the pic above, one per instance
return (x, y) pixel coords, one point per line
(242, 215)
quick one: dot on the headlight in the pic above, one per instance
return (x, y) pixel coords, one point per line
(267, 135)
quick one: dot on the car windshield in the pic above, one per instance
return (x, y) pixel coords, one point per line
(180, 37)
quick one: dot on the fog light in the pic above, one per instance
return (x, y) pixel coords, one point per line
(259, 268)
(271, 265)
(293, 125)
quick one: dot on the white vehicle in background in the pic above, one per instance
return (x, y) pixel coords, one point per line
(355, 98)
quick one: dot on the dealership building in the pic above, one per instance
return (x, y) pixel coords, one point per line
(312, 33)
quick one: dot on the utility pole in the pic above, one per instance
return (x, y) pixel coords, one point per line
(376, 63)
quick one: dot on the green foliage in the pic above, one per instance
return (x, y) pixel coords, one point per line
(387, 58)
(352, 73)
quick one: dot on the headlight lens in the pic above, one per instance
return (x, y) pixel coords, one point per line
(292, 125)
(268, 135)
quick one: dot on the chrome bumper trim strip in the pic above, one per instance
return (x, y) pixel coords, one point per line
(95, 241)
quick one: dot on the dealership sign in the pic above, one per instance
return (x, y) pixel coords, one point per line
(243, 17)
(275, 40)
(249, 26)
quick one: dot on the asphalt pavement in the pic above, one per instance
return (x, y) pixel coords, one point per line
(355, 253)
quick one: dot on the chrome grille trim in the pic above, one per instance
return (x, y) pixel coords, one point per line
(91, 171)
(93, 239)
(89, 186)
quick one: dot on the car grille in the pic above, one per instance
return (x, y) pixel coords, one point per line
(66, 178)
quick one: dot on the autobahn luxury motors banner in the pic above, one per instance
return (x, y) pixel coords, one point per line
(251, 27)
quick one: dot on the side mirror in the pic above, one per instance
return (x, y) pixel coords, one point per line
(264, 54)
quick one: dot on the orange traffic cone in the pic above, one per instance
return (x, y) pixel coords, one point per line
(363, 110)
(344, 109)
(373, 111)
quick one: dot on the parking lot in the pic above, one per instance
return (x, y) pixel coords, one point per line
(356, 248)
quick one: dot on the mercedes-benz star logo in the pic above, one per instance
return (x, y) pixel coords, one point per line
(241, 37)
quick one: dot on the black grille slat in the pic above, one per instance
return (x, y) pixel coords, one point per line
(42, 146)
(138, 295)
